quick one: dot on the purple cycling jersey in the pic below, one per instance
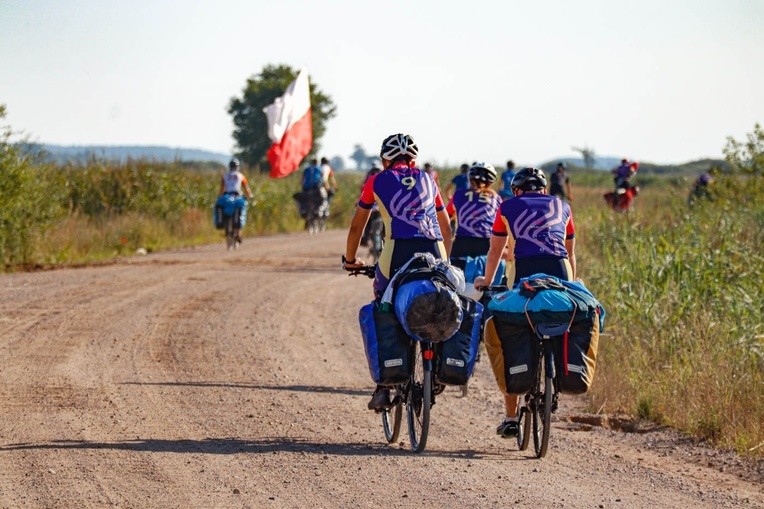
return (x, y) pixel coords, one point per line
(538, 223)
(475, 212)
(408, 200)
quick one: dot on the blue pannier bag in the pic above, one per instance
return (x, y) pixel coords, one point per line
(230, 205)
(455, 357)
(388, 348)
(474, 266)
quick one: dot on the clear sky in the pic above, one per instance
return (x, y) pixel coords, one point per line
(664, 81)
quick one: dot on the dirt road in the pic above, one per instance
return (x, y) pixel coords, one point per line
(202, 378)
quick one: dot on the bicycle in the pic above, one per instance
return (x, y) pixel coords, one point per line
(536, 407)
(418, 393)
(230, 216)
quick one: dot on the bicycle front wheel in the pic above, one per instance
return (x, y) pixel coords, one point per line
(391, 418)
(419, 401)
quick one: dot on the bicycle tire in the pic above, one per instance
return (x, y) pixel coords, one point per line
(524, 428)
(392, 417)
(543, 419)
(419, 401)
(229, 232)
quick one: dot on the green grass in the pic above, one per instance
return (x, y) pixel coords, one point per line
(685, 326)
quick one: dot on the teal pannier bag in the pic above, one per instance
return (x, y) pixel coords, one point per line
(541, 298)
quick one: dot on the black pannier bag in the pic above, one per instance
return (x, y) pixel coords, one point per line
(455, 357)
(575, 356)
(387, 346)
(513, 349)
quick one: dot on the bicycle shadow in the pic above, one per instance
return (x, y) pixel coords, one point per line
(230, 446)
(236, 385)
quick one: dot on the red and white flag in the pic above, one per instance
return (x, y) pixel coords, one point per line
(289, 127)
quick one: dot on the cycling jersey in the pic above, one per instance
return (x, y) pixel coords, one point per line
(506, 178)
(461, 181)
(233, 181)
(538, 225)
(475, 212)
(409, 201)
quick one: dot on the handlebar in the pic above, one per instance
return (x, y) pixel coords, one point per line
(364, 270)
(493, 288)
(367, 270)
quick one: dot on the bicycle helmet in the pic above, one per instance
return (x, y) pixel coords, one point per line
(234, 164)
(562, 165)
(529, 179)
(483, 172)
(398, 145)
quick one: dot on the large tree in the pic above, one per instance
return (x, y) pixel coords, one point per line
(250, 125)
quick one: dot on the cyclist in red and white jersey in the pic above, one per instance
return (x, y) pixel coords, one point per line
(234, 182)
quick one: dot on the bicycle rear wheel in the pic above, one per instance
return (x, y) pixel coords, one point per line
(419, 401)
(542, 417)
(391, 418)
(230, 236)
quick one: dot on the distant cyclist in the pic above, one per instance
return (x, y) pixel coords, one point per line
(541, 236)
(414, 215)
(624, 173)
(475, 210)
(234, 183)
(506, 181)
(559, 185)
(315, 188)
(461, 181)
(428, 169)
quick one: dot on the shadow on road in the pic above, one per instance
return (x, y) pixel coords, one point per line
(292, 388)
(242, 446)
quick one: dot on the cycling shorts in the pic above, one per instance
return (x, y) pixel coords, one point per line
(524, 267)
(470, 246)
(397, 252)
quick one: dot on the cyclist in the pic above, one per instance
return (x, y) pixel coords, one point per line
(428, 169)
(560, 183)
(461, 181)
(541, 238)
(233, 183)
(375, 215)
(315, 189)
(475, 210)
(327, 174)
(506, 181)
(624, 173)
(414, 216)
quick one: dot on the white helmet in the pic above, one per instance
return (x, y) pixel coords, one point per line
(398, 145)
(483, 172)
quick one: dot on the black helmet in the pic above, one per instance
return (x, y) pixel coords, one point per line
(398, 145)
(562, 165)
(529, 179)
(234, 164)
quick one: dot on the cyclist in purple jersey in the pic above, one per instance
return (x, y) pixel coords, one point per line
(414, 215)
(411, 208)
(475, 210)
(541, 236)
